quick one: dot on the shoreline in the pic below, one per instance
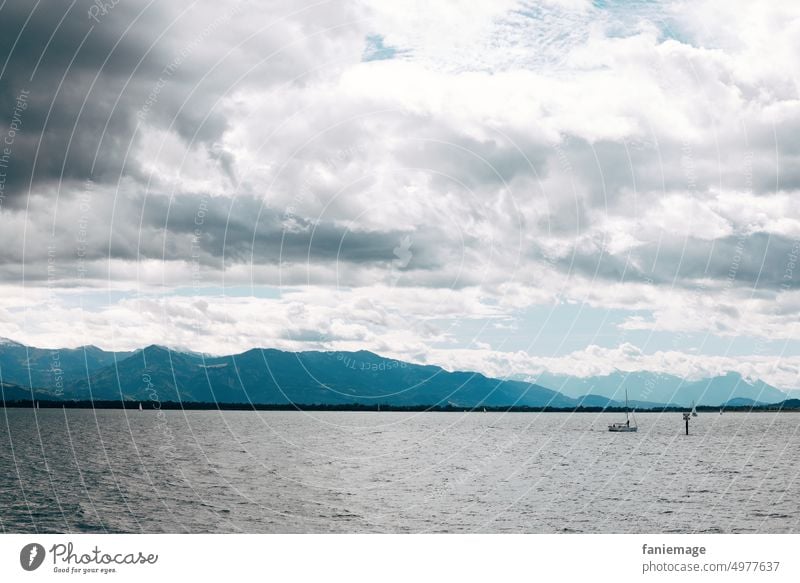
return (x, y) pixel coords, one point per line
(355, 407)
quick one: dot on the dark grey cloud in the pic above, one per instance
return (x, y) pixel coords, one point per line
(211, 232)
(753, 263)
(90, 82)
(750, 262)
(85, 81)
(244, 230)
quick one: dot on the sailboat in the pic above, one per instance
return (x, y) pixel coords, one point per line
(624, 427)
(140, 406)
(694, 410)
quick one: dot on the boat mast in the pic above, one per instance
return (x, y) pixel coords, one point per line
(626, 403)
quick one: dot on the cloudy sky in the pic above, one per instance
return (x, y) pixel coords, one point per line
(502, 186)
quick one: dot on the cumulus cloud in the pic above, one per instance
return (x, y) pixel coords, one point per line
(641, 160)
(780, 371)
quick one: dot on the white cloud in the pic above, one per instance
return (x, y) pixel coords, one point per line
(780, 371)
(534, 153)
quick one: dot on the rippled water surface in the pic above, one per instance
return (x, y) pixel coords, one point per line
(206, 471)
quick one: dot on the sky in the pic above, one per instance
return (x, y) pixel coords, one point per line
(508, 187)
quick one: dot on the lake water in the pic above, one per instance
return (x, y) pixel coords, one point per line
(206, 471)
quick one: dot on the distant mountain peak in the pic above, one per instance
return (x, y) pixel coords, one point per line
(90, 347)
(156, 348)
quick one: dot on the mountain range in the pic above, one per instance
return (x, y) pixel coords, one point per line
(664, 389)
(269, 376)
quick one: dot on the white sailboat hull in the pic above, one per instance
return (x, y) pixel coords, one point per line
(622, 428)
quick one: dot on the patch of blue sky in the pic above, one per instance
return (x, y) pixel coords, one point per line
(376, 50)
(710, 344)
(625, 16)
(95, 300)
(566, 328)
(541, 330)
(235, 291)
